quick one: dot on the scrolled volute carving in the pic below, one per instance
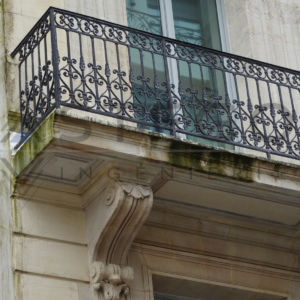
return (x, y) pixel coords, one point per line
(111, 280)
(110, 194)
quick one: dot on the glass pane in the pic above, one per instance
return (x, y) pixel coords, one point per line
(168, 288)
(148, 68)
(196, 22)
(144, 15)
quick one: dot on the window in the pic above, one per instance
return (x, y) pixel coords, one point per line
(192, 21)
(170, 288)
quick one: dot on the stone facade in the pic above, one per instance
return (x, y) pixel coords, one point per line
(92, 208)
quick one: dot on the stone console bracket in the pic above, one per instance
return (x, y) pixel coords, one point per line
(113, 221)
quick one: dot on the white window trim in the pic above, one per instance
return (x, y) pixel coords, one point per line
(226, 47)
(168, 27)
(224, 33)
(167, 21)
(168, 30)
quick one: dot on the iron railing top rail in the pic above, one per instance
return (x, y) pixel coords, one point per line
(167, 39)
(31, 32)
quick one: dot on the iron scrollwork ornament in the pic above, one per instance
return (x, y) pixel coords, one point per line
(224, 98)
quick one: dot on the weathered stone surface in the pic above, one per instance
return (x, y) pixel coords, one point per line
(43, 288)
(247, 244)
(51, 258)
(48, 221)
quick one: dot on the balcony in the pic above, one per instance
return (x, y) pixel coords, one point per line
(157, 83)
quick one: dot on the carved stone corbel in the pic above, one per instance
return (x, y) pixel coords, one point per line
(113, 221)
(112, 280)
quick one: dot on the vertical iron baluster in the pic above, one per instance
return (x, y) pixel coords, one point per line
(263, 120)
(27, 109)
(295, 118)
(144, 87)
(228, 105)
(40, 104)
(217, 99)
(95, 73)
(120, 80)
(243, 135)
(172, 116)
(181, 104)
(250, 110)
(20, 95)
(193, 93)
(82, 68)
(154, 68)
(131, 80)
(55, 58)
(204, 93)
(33, 90)
(273, 115)
(70, 62)
(284, 118)
(157, 93)
(47, 74)
(107, 74)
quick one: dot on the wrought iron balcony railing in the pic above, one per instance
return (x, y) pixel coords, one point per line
(73, 60)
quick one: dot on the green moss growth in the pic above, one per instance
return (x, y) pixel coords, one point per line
(34, 145)
(17, 277)
(14, 123)
(14, 211)
(212, 161)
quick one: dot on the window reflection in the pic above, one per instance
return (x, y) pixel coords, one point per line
(144, 15)
(196, 22)
(200, 89)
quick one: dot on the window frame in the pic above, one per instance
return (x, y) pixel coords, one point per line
(168, 30)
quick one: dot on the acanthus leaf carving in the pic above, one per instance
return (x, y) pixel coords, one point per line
(136, 191)
(110, 280)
